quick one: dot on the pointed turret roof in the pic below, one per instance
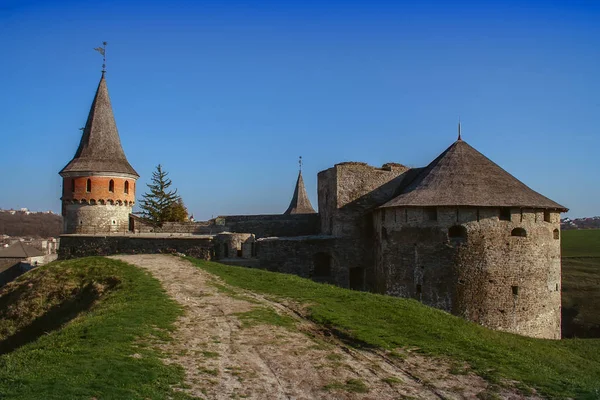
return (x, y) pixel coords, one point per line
(300, 203)
(462, 176)
(100, 148)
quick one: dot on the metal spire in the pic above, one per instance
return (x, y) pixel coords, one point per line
(300, 163)
(102, 50)
(459, 138)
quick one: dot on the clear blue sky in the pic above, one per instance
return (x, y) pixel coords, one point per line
(226, 95)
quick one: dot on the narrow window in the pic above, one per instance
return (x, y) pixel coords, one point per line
(406, 215)
(384, 234)
(225, 250)
(518, 232)
(547, 216)
(111, 186)
(88, 186)
(382, 215)
(515, 290)
(126, 187)
(504, 214)
(239, 253)
(430, 214)
(419, 288)
(478, 215)
(73, 185)
(322, 265)
(457, 232)
(556, 234)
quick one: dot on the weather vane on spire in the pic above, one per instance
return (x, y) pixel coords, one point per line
(459, 138)
(300, 163)
(102, 50)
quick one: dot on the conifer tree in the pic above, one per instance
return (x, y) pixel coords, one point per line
(157, 204)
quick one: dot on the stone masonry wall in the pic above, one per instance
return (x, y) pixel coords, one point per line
(504, 282)
(75, 246)
(259, 225)
(91, 219)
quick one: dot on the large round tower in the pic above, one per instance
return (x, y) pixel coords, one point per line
(469, 238)
(98, 183)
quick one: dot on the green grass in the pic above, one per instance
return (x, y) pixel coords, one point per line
(567, 368)
(265, 316)
(581, 283)
(581, 243)
(83, 329)
(351, 385)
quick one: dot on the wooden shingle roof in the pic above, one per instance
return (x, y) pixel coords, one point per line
(100, 148)
(300, 203)
(462, 176)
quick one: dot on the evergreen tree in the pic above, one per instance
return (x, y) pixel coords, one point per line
(178, 212)
(157, 204)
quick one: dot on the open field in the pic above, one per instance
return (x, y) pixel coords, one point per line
(82, 329)
(581, 283)
(555, 368)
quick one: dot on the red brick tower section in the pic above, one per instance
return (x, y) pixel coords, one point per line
(98, 183)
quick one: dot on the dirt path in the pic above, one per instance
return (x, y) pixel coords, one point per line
(229, 350)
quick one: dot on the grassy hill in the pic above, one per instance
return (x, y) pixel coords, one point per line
(567, 368)
(581, 283)
(80, 330)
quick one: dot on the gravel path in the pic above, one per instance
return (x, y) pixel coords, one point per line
(226, 359)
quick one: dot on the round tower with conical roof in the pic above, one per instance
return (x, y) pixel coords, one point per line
(98, 183)
(467, 237)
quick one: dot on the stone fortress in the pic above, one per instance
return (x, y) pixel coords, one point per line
(460, 234)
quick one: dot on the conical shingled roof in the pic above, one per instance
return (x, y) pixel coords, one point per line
(100, 147)
(462, 176)
(300, 203)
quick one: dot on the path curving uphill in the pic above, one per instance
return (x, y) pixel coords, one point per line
(229, 350)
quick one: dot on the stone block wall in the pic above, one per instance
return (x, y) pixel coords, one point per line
(96, 219)
(75, 246)
(502, 272)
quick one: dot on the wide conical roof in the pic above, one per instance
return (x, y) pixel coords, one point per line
(462, 176)
(300, 203)
(100, 148)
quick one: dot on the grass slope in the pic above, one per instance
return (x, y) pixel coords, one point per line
(556, 368)
(70, 330)
(581, 283)
(581, 243)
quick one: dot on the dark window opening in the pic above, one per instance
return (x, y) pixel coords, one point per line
(357, 278)
(557, 287)
(72, 185)
(518, 232)
(457, 232)
(478, 215)
(515, 290)
(384, 234)
(419, 288)
(547, 216)
(88, 186)
(322, 265)
(239, 253)
(406, 215)
(111, 186)
(382, 215)
(556, 234)
(430, 214)
(225, 250)
(126, 187)
(504, 214)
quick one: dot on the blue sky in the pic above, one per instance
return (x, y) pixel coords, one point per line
(226, 95)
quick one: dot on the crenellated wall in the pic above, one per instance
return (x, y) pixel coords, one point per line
(500, 269)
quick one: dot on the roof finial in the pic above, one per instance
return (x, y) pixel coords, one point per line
(459, 138)
(102, 50)
(300, 163)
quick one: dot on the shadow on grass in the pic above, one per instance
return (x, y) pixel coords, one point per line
(56, 317)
